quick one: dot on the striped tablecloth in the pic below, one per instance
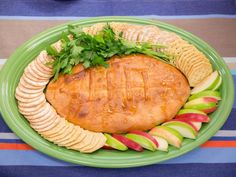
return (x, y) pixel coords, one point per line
(212, 20)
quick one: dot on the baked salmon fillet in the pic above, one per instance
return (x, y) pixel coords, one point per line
(135, 92)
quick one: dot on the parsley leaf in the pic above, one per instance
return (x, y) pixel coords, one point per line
(92, 51)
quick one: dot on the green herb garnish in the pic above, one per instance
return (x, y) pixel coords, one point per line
(95, 50)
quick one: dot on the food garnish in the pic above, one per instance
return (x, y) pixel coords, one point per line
(92, 51)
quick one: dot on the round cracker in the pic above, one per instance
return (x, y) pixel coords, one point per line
(24, 89)
(57, 126)
(145, 37)
(119, 27)
(28, 99)
(39, 72)
(131, 34)
(70, 137)
(37, 112)
(45, 123)
(32, 77)
(42, 71)
(147, 33)
(91, 145)
(40, 63)
(85, 142)
(101, 143)
(49, 127)
(42, 60)
(97, 144)
(197, 74)
(63, 128)
(80, 137)
(29, 71)
(189, 57)
(29, 86)
(38, 83)
(64, 136)
(185, 60)
(36, 72)
(30, 109)
(29, 104)
(40, 120)
(134, 33)
(26, 114)
(192, 66)
(43, 66)
(167, 39)
(47, 110)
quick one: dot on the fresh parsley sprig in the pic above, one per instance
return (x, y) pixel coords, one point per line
(92, 51)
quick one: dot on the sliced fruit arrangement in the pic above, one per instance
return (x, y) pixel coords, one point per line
(172, 136)
(144, 141)
(135, 140)
(185, 128)
(204, 97)
(205, 104)
(114, 143)
(128, 142)
(186, 124)
(192, 115)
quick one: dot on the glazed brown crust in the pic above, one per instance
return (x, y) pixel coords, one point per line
(135, 92)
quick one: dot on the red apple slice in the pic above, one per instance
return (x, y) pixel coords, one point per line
(210, 110)
(138, 132)
(210, 99)
(193, 117)
(128, 142)
(202, 104)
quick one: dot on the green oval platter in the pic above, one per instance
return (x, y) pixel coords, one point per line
(14, 67)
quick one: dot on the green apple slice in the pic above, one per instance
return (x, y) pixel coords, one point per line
(183, 128)
(218, 84)
(114, 143)
(172, 136)
(143, 141)
(162, 143)
(207, 93)
(207, 84)
(201, 104)
(184, 111)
